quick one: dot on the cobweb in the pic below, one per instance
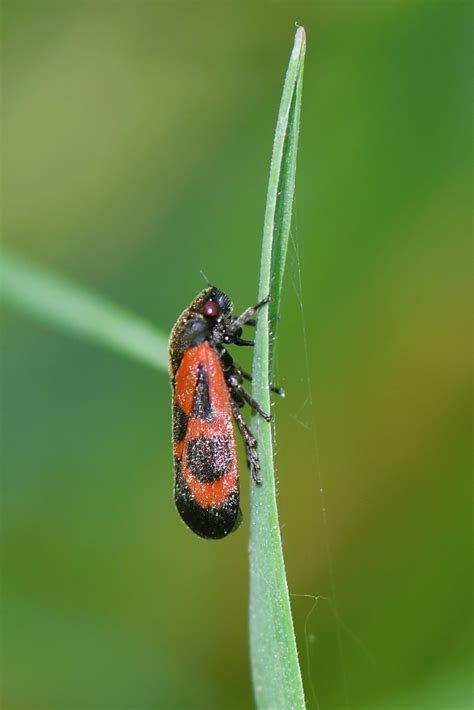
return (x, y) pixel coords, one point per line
(305, 416)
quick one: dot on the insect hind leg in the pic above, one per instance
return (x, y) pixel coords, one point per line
(250, 443)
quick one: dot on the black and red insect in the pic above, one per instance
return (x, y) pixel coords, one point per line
(207, 393)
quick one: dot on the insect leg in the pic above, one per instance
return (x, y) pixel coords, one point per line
(253, 402)
(250, 442)
(234, 378)
(246, 316)
(239, 341)
(278, 390)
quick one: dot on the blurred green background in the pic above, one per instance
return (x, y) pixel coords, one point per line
(136, 139)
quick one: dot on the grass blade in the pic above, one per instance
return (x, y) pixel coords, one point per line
(274, 660)
(54, 299)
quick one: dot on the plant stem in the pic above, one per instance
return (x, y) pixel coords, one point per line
(274, 659)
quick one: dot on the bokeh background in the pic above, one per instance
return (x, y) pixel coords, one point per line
(136, 139)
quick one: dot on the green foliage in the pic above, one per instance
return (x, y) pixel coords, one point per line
(54, 299)
(72, 308)
(131, 160)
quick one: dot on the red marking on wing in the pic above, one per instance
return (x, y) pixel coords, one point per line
(206, 494)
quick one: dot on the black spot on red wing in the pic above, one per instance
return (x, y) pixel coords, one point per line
(202, 408)
(215, 522)
(180, 423)
(209, 458)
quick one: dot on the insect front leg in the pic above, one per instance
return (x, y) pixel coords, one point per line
(250, 442)
(247, 316)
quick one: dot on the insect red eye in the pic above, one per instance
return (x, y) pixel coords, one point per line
(211, 309)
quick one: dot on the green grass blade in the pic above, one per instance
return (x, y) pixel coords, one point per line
(54, 299)
(274, 660)
(284, 205)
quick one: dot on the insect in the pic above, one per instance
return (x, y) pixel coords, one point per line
(207, 393)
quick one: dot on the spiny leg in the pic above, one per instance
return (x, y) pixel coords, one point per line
(234, 379)
(250, 442)
(253, 402)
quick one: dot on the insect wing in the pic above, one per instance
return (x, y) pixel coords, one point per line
(206, 474)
